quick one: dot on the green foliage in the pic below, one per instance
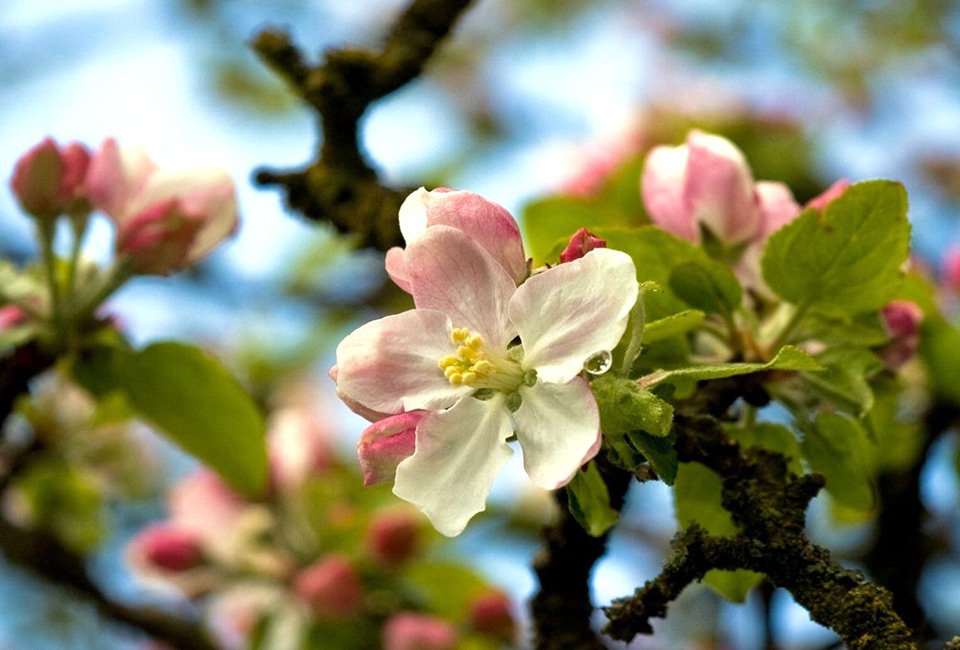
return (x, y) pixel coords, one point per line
(624, 406)
(697, 498)
(707, 285)
(673, 325)
(192, 399)
(846, 260)
(589, 501)
(772, 437)
(788, 358)
(838, 448)
(940, 349)
(445, 588)
(64, 501)
(845, 380)
(634, 448)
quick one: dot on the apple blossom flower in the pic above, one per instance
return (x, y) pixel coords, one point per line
(48, 179)
(582, 242)
(408, 631)
(165, 219)
(455, 357)
(489, 224)
(707, 183)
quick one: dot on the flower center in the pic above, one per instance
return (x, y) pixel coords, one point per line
(477, 366)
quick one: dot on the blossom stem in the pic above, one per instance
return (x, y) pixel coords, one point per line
(791, 325)
(46, 230)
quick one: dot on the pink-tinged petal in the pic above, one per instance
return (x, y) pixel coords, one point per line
(572, 311)
(157, 240)
(558, 426)
(718, 188)
(488, 224)
(385, 444)
(202, 503)
(459, 452)
(662, 184)
(582, 242)
(299, 446)
(452, 274)
(820, 201)
(115, 176)
(396, 264)
(390, 365)
(777, 207)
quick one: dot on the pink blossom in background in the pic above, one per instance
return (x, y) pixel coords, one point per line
(410, 631)
(165, 548)
(156, 210)
(331, 587)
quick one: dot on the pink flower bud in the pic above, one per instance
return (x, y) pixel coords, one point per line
(48, 180)
(703, 183)
(385, 443)
(169, 218)
(418, 632)
(951, 268)
(491, 615)
(11, 316)
(820, 201)
(393, 538)
(169, 549)
(902, 319)
(487, 223)
(158, 239)
(331, 587)
(777, 207)
(582, 242)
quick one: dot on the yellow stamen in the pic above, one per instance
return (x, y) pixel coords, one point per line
(476, 366)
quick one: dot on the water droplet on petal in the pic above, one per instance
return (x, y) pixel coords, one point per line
(598, 363)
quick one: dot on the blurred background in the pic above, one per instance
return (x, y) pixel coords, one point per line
(528, 98)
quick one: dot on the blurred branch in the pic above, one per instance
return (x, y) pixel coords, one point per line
(46, 557)
(340, 186)
(562, 608)
(768, 504)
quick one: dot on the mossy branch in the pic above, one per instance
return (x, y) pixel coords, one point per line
(340, 186)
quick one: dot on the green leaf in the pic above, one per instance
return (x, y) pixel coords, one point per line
(446, 589)
(624, 406)
(631, 343)
(198, 405)
(788, 358)
(838, 448)
(845, 378)
(589, 501)
(707, 285)
(697, 497)
(940, 350)
(673, 325)
(100, 369)
(847, 259)
(656, 253)
(659, 452)
(772, 437)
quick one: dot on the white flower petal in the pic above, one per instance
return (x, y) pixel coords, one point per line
(413, 215)
(459, 452)
(572, 311)
(450, 273)
(558, 426)
(390, 365)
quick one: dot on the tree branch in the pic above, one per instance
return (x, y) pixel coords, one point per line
(768, 504)
(340, 186)
(562, 608)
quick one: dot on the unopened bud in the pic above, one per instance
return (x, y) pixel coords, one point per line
(48, 180)
(902, 319)
(393, 538)
(385, 443)
(167, 548)
(418, 632)
(158, 240)
(331, 587)
(491, 615)
(582, 242)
